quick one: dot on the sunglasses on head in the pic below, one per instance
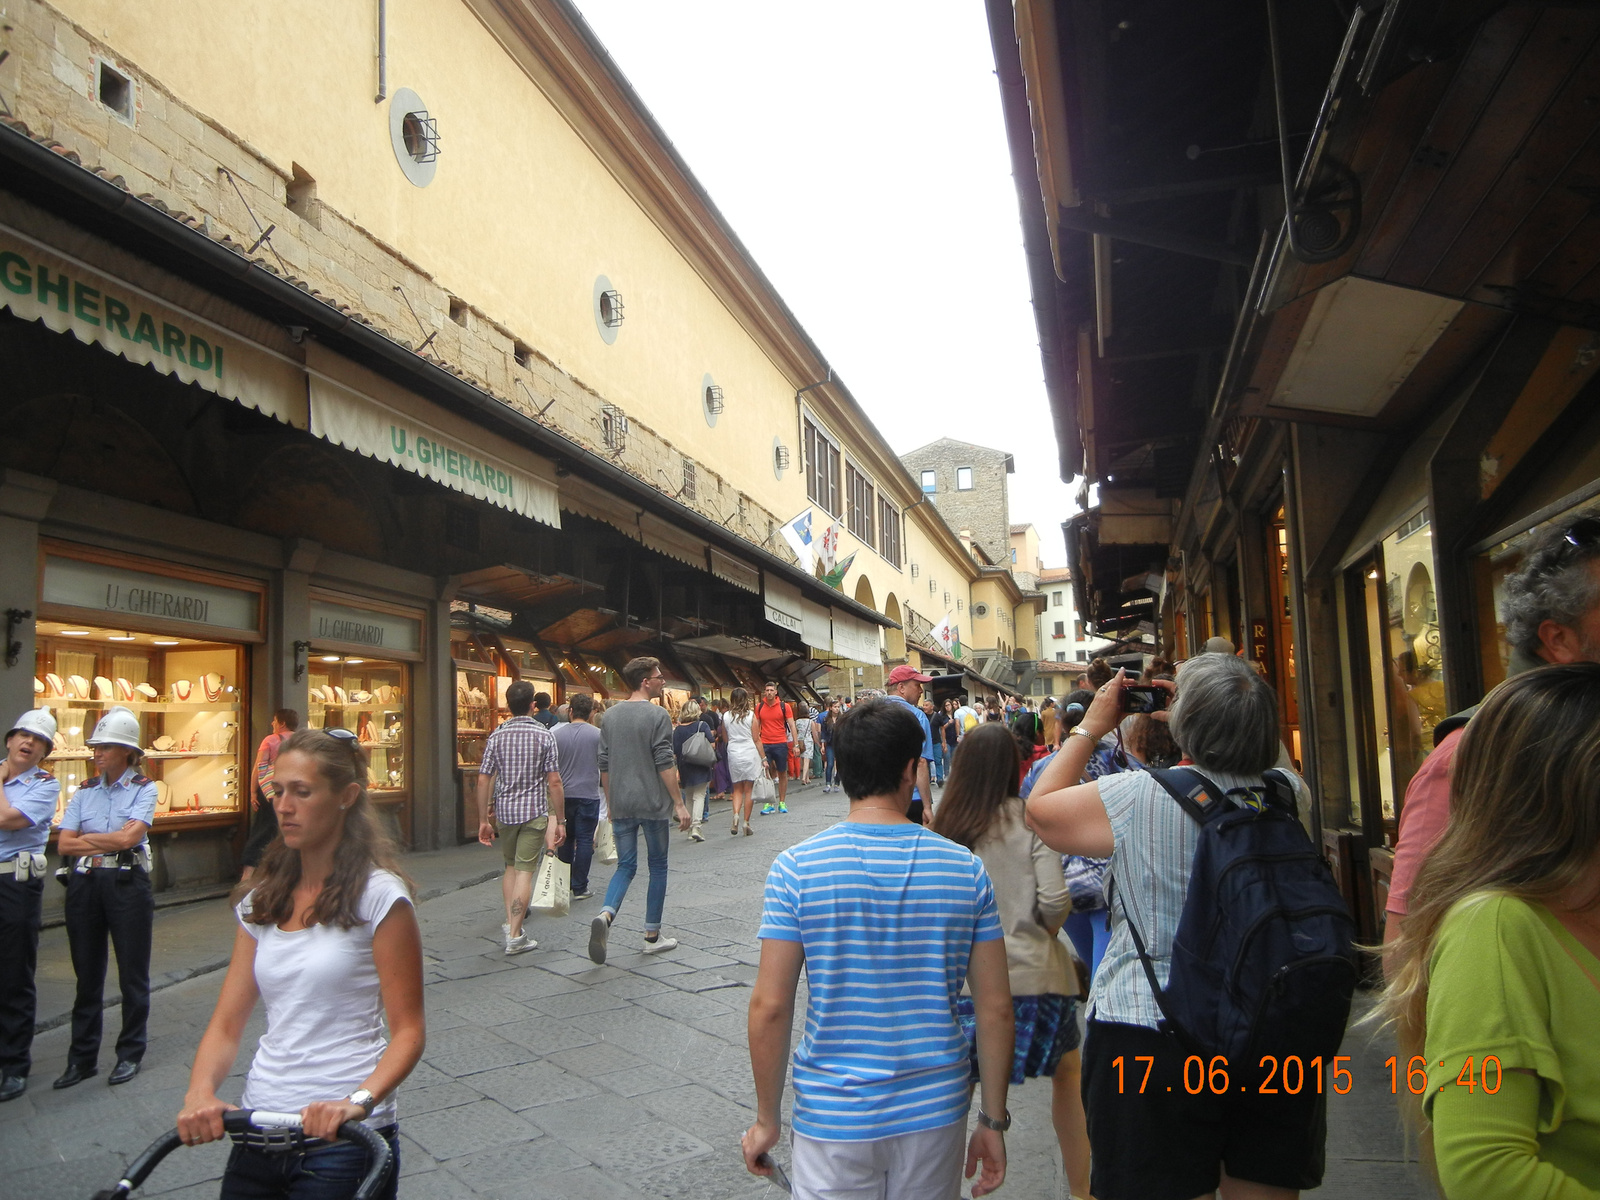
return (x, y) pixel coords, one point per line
(1582, 536)
(344, 735)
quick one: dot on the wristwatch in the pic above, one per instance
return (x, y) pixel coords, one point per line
(989, 1122)
(366, 1101)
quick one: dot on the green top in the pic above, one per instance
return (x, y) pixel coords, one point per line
(1510, 982)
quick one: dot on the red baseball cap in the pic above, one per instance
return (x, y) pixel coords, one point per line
(906, 672)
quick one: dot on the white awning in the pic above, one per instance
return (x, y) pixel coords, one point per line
(816, 628)
(783, 606)
(69, 296)
(854, 638)
(364, 412)
(731, 570)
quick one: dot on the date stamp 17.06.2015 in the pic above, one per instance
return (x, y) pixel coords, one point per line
(1292, 1075)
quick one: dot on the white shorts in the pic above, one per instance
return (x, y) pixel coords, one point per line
(912, 1166)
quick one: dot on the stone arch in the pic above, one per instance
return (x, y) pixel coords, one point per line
(304, 490)
(87, 443)
(864, 592)
(894, 640)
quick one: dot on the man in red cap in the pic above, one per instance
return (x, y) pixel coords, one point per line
(905, 685)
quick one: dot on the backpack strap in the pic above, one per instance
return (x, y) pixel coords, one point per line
(1190, 788)
(1150, 972)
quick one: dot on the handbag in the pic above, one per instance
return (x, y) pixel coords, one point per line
(698, 750)
(552, 891)
(605, 843)
(765, 790)
(1086, 881)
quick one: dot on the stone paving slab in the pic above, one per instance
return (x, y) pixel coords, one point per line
(548, 1077)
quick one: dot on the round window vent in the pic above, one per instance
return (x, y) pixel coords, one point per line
(712, 401)
(607, 309)
(414, 134)
(980, 610)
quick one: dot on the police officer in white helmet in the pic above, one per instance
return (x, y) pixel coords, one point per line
(108, 893)
(28, 796)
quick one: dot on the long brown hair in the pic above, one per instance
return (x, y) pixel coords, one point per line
(739, 702)
(1524, 822)
(365, 845)
(983, 776)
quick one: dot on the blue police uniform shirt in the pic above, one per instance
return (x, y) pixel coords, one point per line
(927, 734)
(97, 808)
(33, 794)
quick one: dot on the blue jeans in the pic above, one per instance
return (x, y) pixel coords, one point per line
(578, 849)
(626, 831)
(330, 1172)
(827, 764)
(1090, 936)
(941, 762)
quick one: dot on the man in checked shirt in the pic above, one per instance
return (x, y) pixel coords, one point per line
(521, 802)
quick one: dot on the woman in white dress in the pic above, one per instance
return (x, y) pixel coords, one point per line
(745, 760)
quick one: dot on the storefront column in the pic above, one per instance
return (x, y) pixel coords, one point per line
(433, 805)
(291, 624)
(24, 500)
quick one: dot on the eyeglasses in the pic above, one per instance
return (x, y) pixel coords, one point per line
(344, 735)
(1582, 534)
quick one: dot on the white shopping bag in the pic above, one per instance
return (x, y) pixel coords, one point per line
(552, 890)
(605, 843)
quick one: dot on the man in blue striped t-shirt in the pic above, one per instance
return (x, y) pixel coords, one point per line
(888, 919)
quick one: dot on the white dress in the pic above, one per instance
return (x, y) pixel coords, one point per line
(744, 756)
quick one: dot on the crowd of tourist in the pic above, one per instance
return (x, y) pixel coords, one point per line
(1156, 821)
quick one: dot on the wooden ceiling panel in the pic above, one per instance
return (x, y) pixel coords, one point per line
(612, 639)
(1489, 152)
(1474, 81)
(1533, 206)
(576, 628)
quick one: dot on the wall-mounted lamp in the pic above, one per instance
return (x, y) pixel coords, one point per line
(301, 649)
(611, 308)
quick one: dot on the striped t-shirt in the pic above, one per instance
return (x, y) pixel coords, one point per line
(887, 916)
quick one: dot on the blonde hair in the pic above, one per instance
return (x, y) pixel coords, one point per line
(1524, 822)
(689, 712)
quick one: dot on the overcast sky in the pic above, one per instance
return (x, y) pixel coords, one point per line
(856, 147)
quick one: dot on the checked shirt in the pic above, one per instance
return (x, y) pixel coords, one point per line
(519, 754)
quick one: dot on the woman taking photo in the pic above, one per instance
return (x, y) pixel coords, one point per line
(1495, 978)
(746, 763)
(328, 939)
(982, 811)
(1225, 716)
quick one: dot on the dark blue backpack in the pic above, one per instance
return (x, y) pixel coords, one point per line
(1264, 959)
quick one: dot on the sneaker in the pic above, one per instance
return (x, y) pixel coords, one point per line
(599, 932)
(783, 808)
(695, 835)
(583, 895)
(768, 810)
(505, 932)
(660, 945)
(520, 944)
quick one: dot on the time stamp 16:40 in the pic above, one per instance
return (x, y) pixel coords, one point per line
(1292, 1075)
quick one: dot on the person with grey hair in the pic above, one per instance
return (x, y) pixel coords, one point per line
(1551, 609)
(1225, 717)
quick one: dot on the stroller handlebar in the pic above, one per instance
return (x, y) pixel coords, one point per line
(244, 1122)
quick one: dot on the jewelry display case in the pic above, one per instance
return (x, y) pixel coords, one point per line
(367, 696)
(188, 694)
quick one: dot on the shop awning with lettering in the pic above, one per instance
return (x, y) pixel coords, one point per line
(854, 638)
(364, 412)
(783, 606)
(68, 295)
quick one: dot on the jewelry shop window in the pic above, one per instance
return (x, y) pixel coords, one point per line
(360, 676)
(172, 649)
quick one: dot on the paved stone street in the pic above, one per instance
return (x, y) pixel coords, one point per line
(548, 1077)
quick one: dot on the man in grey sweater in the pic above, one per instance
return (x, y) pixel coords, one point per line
(639, 775)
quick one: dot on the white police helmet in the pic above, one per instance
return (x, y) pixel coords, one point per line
(119, 727)
(38, 721)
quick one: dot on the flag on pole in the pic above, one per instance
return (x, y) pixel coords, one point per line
(944, 635)
(798, 534)
(828, 547)
(835, 577)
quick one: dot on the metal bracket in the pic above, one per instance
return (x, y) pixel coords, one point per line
(14, 617)
(301, 649)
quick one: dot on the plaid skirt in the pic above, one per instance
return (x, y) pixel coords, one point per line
(1047, 1027)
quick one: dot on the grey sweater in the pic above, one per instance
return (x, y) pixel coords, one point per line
(635, 747)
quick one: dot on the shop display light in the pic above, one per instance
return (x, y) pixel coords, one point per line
(74, 633)
(120, 637)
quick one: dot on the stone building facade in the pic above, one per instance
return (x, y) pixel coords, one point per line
(967, 483)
